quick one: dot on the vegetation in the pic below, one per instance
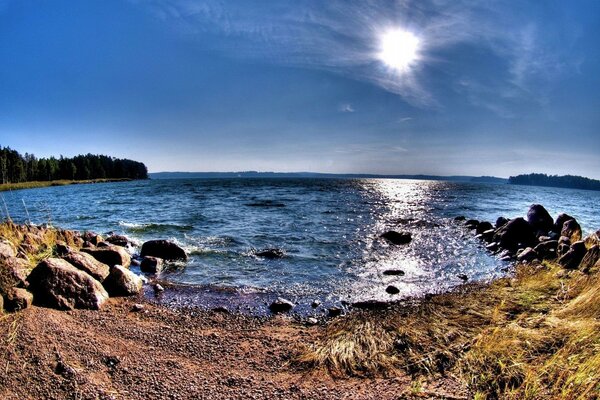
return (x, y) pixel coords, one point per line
(37, 184)
(15, 168)
(566, 181)
(532, 336)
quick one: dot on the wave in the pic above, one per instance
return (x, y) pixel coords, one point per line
(154, 227)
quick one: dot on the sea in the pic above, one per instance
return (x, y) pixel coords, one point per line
(328, 229)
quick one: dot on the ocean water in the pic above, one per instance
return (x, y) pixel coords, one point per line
(329, 230)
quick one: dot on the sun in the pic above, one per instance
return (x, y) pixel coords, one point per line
(398, 49)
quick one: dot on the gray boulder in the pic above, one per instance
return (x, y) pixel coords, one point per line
(111, 255)
(164, 249)
(152, 265)
(547, 249)
(13, 273)
(86, 262)
(573, 257)
(515, 234)
(560, 221)
(539, 218)
(56, 283)
(122, 282)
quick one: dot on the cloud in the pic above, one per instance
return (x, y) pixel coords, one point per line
(341, 37)
(346, 108)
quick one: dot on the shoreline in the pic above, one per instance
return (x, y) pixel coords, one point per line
(41, 184)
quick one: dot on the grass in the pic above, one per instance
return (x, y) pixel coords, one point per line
(39, 184)
(535, 335)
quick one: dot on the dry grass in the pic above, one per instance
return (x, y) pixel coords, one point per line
(533, 336)
(38, 184)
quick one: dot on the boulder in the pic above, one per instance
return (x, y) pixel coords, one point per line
(493, 247)
(539, 218)
(18, 299)
(562, 249)
(118, 240)
(488, 235)
(270, 253)
(514, 234)
(483, 226)
(593, 239)
(572, 230)
(459, 218)
(527, 255)
(590, 259)
(281, 305)
(13, 273)
(573, 257)
(393, 272)
(547, 249)
(122, 282)
(333, 312)
(560, 221)
(164, 249)
(86, 262)
(92, 238)
(58, 284)
(391, 289)
(397, 237)
(112, 255)
(471, 223)
(501, 221)
(152, 265)
(7, 250)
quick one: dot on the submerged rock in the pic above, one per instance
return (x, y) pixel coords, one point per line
(164, 249)
(281, 305)
(86, 262)
(397, 237)
(122, 282)
(56, 283)
(393, 272)
(270, 253)
(391, 289)
(462, 277)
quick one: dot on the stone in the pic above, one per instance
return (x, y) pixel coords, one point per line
(500, 222)
(333, 312)
(562, 249)
(459, 218)
(572, 258)
(391, 289)
(86, 262)
(514, 234)
(7, 250)
(270, 253)
(122, 282)
(312, 321)
(158, 288)
(393, 272)
(92, 238)
(488, 235)
(151, 265)
(112, 255)
(118, 240)
(590, 259)
(164, 249)
(397, 238)
(371, 305)
(137, 307)
(560, 221)
(462, 277)
(493, 247)
(56, 283)
(483, 226)
(527, 255)
(13, 273)
(315, 303)
(539, 218)
(472, 223)
(18, 299)
(281, 305)
(547, 249)
(593, 239)
(572, 230)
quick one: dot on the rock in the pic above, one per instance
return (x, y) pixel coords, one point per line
(89, 264)
(371, 305)
(483, 226)
(270, 253)
(18, 299)
(391, 289)
(118, 240)
(488, 235)
(393, 272)
(527, 255)
(13, 273)
(572, 230)
(7, 250)
(515, 233)
(61, 249)
(137, 307)
(593, 239)
(573, 257)
(459, 218)
(92, 238)
(158, 288)
(281, 305)
(472, 223)
(493, 247)
(103, 244)
(539, 218)
(112, 255)
(1, 305)
(397, 237)
(547, 249)
(312, 321)
(152, 265)
(122, 282)
(500, 222)
(315, 304)
(590, 259)
(462, 277)
(164, 249)
(334, 312)
(562, 249)
(56, 283)
(560, 221)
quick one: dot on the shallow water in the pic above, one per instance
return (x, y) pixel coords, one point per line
(328, 228)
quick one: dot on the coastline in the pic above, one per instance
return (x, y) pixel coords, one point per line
(41, 184)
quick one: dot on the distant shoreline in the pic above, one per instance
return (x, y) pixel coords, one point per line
(40, 184)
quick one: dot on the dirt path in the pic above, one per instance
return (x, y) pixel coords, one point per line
(159, 353)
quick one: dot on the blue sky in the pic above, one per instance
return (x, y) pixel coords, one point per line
(493, 88)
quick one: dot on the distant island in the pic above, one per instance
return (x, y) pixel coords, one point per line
(565, 181)
(256, 174)
(24, 171)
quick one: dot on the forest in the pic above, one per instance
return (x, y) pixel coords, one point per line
(16, 168)
(566, 181)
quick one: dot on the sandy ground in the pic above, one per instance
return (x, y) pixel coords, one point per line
(162, 353)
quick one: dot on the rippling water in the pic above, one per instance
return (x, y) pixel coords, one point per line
(328, 228)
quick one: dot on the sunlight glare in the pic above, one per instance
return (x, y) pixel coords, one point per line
(398, 49)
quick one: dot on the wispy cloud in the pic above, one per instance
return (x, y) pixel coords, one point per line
(346, 108)
(341, 36)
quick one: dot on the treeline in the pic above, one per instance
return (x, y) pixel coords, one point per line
(566, 181)
(16, 168)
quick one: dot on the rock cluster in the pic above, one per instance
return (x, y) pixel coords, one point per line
(539, 237)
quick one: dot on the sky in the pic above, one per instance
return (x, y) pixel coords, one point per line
(455, 87)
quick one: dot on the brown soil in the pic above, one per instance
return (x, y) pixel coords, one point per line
(161, 353)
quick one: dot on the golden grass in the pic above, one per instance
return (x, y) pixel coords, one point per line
(39, 184)
(535, 335)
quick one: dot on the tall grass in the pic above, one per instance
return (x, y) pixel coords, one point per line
(39, 184)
